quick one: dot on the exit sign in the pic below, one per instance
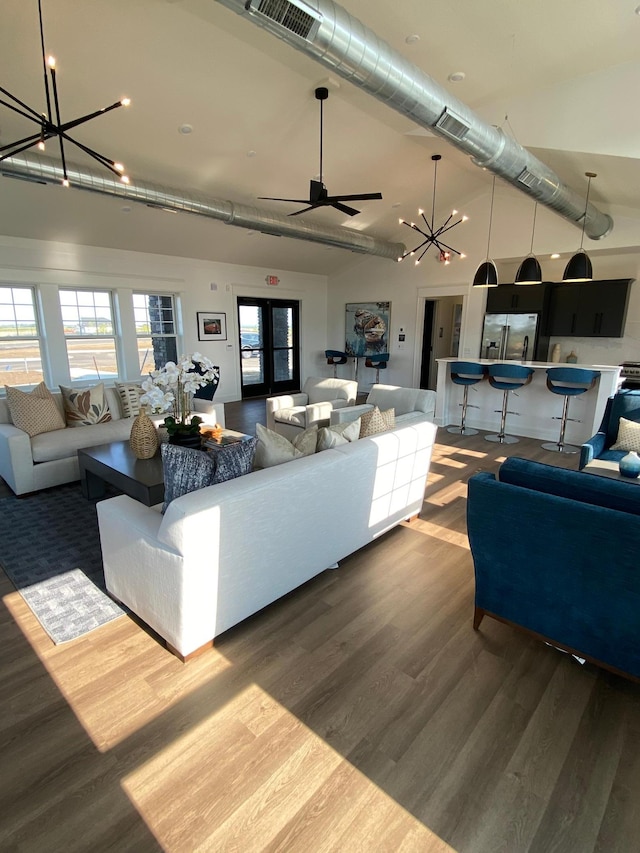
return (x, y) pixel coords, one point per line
(272, 280)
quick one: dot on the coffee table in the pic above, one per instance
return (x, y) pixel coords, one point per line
(115, 463)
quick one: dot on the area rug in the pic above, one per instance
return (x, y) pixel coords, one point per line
(50, 549)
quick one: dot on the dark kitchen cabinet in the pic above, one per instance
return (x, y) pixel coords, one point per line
(507, 298)
(595, 309)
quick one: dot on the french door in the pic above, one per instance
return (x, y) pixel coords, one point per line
(269, 346)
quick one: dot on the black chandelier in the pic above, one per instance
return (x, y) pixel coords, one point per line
(47, 127)
(432, 235)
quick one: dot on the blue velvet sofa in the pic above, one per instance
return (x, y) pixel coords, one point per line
(557, 552)
(624, 404)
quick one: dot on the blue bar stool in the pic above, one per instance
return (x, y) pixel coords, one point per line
(335, 357)
(506, 378)
(378, 361)
(465, 373)
(568, 381)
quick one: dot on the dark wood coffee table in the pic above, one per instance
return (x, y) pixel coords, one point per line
(116, 464)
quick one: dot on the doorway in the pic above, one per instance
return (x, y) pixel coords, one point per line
(440, 336)
(269, 332)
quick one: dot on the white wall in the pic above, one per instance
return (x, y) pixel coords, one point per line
(51, 265)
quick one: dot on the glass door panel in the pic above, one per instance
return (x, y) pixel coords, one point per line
(269, 349)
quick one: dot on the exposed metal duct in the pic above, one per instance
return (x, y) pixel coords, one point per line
(41, 169)
(329, 34)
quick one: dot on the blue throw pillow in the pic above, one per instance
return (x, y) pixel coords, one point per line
(185, 470)
(234, 460)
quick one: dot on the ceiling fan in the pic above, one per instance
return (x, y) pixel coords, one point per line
(318, 194)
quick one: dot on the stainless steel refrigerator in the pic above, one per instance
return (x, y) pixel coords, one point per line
(509, 337)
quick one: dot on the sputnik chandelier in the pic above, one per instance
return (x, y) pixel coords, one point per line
(432, 235)
(47, 127)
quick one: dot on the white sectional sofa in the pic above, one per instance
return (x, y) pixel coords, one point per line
(224, 552)
(50, 459)
(409, 404)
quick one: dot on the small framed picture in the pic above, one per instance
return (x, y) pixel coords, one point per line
(212, 326)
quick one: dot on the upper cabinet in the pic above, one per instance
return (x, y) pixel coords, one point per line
(593, 309)
(517, 297)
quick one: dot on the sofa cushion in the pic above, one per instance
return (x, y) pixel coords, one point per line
(376, 421)
(35, 412)
(334, 436)
(628, 436)
(574, 485)
(296, 415)
(274, 449)
(85, 406)
(129, 394)
(64, 443)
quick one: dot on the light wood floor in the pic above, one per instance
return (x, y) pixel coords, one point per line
(361, 712)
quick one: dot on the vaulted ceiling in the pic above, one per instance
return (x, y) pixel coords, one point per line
(559, 77)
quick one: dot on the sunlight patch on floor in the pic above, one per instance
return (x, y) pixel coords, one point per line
(282, 781)
(444, 534)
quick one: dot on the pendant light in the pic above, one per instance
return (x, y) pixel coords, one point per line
(487, 274)
(579, 267)
(529, 271)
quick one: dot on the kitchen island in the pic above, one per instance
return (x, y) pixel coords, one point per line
(535, 404)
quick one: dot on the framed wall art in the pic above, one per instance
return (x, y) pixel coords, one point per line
(212, 326)
(367, 328)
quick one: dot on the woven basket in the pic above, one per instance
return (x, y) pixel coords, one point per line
(144, 438)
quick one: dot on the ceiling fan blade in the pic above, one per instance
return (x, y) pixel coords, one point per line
(296, 200)
(355, 197)
(304, 209)
(350, 211)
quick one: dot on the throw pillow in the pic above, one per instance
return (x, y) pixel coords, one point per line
(628, 437)
(234, 460)
(34, 411)
(85, 406)
(185, 470)
(274, 449)
(376, 421)
(129, 394)
(334, 436)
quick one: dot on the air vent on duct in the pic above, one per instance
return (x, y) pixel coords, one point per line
(452, 125)
(529, 179)
(296, 17)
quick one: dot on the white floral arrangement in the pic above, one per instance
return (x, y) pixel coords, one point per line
(171, 389)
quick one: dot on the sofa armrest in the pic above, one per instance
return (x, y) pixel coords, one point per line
(283, 401)
(591, 449)
(349, 413)
(318, 412)
(16, 459)
(210, 412)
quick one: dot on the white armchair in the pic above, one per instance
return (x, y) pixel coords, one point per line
(409, 404)
(290, 414)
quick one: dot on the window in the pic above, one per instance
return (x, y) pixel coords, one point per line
(89, 330)
(155, 330)
(20, 355)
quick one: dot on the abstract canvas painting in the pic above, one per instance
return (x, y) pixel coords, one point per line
(367, 328)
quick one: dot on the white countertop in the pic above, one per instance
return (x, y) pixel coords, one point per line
(534, 364)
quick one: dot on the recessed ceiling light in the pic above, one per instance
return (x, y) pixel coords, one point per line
(456, 76)
(250, 233)
(396, 204)
(126, 209)
(185, 129)
(412, 39)
(555, 256)
(251, 153)
(637, 10)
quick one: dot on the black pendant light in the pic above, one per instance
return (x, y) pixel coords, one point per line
(579, 267)
(529, 271)
(487, 274)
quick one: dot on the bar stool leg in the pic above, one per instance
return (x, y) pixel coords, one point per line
(501, 438)
(559, 446)
(462, 429)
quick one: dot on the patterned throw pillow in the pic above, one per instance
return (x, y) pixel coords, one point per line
(85, 406)
(129, 394)
(376, 421)
(187, 470)
(274, 449)
(628, 437)
(34, 411)
(334, 436)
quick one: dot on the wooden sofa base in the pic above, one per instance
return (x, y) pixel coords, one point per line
(479, 615)
(194, 654)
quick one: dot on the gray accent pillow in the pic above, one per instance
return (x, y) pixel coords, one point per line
(337, 434)
(187, 470)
